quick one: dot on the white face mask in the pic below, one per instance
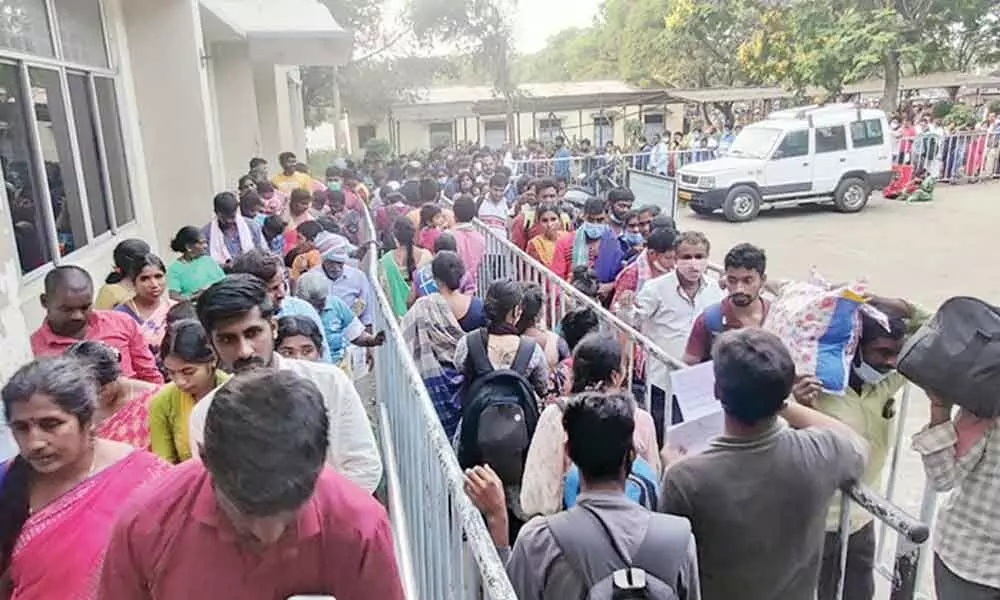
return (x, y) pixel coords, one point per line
(692, 269)
(868, 374)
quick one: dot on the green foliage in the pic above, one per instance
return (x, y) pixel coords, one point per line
(633, 130)
(802, 44)
(961, 115)
(994, 107)
(820, 44)
(942, 109)
(319, 160)
(379, 147)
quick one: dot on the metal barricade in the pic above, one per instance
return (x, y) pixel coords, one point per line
(583, 169)
(445, 549)
(961, 157)
(505, 260)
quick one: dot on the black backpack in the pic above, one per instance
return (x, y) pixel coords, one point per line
(499, 411)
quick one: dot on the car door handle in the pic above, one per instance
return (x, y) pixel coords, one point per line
(843, 160)
(805, 164)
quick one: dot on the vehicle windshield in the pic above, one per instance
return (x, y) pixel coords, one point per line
(754, 142)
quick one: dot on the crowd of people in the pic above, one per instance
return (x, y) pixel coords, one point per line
(195, 427)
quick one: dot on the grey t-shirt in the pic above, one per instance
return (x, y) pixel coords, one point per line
(757, 508)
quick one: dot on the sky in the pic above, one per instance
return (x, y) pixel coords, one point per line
(537, 20)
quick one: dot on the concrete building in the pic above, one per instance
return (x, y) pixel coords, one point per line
(122, 118)
(596, 110)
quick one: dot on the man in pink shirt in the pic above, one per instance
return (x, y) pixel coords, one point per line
(259, 517)
(470, 243)
(70, 317)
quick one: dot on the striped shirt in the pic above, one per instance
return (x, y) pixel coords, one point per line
(967, 533)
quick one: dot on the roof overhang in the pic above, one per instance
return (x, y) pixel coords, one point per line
(289, 32)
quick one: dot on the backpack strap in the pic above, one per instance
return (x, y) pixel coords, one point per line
(575, 531)
(478, 353)
(714, 319)
(664, 550)
(525, 350)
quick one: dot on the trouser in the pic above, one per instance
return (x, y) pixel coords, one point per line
(658, 410)
(952, 587)
(859, 571)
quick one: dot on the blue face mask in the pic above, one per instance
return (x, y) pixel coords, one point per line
(594, 231)
(869, 374)
(335, 186)
(633, 238)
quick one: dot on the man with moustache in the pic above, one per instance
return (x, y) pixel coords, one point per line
(238, 314)
(744, 278)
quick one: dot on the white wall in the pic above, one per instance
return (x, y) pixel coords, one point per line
(236, 99)
(172, 98)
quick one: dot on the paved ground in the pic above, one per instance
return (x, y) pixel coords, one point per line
(923, 252)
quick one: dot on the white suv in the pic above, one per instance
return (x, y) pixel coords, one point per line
(836, 152)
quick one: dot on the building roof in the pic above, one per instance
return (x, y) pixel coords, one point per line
(457, 101)
(736, 94)
(289, 32)
(927, 82)
(562, 89)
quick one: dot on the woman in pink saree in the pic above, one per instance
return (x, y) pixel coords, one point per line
(61, 495)
(150, 303)
(122, 411)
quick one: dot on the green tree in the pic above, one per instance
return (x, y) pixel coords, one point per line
(480, 30)
(819, 44)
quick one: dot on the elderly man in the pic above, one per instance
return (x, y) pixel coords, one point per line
(340, 325)
(346, 282)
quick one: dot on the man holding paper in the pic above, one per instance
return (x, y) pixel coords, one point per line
(757, 497)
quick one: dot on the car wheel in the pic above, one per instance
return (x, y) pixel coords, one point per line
(852, 195)
(702, 210)
(742, 204)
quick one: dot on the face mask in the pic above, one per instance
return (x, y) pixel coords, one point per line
(614, 219)
(868, 373)
(692, 268)
(594, 231)
(633, 238)
(663, 267)
(442, 180)
(335, 186)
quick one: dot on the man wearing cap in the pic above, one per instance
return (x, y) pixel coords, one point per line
(347, 282)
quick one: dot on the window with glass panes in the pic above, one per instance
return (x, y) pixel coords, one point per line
(61, 149)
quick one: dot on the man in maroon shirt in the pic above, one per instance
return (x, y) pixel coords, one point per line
(259, 517)
(744, 278)
(70, 317)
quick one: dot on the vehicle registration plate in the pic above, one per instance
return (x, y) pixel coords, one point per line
(684, 196)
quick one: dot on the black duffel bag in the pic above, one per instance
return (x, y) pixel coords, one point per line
(956, 355)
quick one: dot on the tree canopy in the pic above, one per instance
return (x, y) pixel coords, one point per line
(798, 44)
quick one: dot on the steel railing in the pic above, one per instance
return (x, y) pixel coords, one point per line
(505, 260)
(966, 156)
(957, 157)
(579, 169)
(445, 549)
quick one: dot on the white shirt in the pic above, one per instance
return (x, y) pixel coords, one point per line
(667, 316)
(495, 216)
(353, 452)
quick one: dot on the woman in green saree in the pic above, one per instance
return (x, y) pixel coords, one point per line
(399, 264)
